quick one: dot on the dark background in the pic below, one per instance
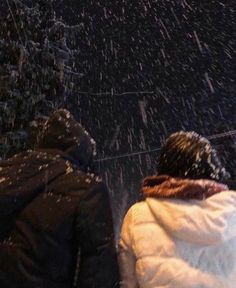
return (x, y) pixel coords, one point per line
(151, 68)
(181, 52)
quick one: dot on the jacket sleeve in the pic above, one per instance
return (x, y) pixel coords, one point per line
(98, 266)
(127, 259)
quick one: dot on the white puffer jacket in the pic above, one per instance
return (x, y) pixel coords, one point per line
(172, 243)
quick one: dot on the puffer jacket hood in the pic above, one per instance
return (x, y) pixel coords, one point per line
(64, 133)
(189, 220)
(165, 186)
(173, 239)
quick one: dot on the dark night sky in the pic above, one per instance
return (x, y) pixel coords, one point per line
(181, 52)
(151, 68)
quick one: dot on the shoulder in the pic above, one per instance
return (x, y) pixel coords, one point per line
(138, 212)
(139, 206)
(87, 179)
(92, 182)
(78, 183)
(92, 187)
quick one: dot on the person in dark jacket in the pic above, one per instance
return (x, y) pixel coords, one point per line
(56, 228)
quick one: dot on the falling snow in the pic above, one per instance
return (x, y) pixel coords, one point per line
(132, 72)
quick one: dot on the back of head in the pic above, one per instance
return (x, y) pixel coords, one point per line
(189, 155)
(62, 132)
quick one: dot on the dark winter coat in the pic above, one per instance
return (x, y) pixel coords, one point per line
(54, 215)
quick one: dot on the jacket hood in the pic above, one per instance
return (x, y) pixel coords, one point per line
(164, 186)
(203, 222)
(25, 175)
(64, 133)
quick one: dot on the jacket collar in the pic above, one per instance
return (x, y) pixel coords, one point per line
(165, 186)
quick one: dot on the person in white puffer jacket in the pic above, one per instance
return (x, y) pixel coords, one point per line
(183, 235)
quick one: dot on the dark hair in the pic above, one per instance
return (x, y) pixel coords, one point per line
(189, 155)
